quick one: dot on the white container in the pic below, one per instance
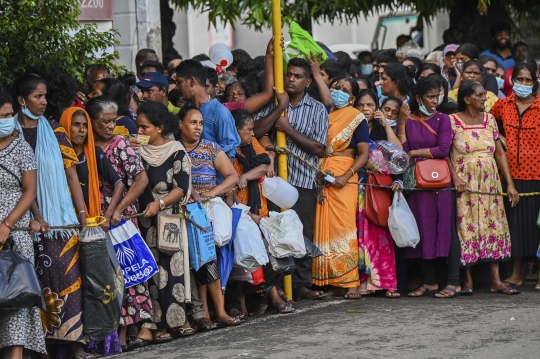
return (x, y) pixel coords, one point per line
(221, 55)
(278, 191)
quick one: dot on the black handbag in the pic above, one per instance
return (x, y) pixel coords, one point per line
(19, 286)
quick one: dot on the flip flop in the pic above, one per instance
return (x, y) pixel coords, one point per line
(352, 296)
(445, 296)
(392, 294)
(162, 338)
(185, 332)
(205, 325)
(230, 323)
(306, 295)
(510, 284)
(507, 291)
(466, 292)
(286, 308)
(137, 343)
(424, 290)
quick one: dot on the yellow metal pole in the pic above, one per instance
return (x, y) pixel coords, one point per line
(278, 83)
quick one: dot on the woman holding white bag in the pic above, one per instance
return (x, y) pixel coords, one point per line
(207, 160)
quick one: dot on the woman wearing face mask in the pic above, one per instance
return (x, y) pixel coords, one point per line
(57, 262)
(19, 329)
(432, 210)
(389, 112)
(473, 71)
(499, 76)
(518, 120)
(335, 217)
(377, 252)
(445, 105)
(469, 52)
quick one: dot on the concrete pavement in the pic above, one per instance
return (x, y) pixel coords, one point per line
(485, 325)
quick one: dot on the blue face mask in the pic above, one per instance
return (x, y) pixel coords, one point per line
(380, 95)
(340, 98)
(7, 125)
(500, 82)
(424, 110)
(367, 69)
(29, 114)
(522, 91)
(391, 123)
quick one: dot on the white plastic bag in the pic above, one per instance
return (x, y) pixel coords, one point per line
(220, 215)
(402, 224)
(284, 234)
(249, 250)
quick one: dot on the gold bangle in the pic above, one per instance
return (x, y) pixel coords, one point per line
(401, 135)
(429, 152)
(352, 171)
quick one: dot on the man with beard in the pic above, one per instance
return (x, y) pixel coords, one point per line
(501, 51)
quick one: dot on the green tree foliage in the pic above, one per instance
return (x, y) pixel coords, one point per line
(257, 13)
(46, 34)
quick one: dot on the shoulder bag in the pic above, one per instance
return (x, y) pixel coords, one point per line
(378, 200)
(431, 173)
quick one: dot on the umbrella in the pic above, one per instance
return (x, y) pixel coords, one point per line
(225, 254)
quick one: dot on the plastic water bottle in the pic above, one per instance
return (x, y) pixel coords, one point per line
(279, 191)
(398, 160)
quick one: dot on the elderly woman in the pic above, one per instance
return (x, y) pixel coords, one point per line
(477, 155)
(19, 329)
(518, 118)
(57, 262)
(253, 161)
(137, 307)
(432, 210)
(169, 174)
(335, 216)
(207, 160)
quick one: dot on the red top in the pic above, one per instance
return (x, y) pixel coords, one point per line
(522, 134)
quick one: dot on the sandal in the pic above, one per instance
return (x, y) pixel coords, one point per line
(185, 332)
(162, 338)
(466, 292)
(137, 343)
(506, 290)
(392, 294)
(205, 325)
(284, 297)
(537, 287)
(423, 290)
(286, 308)
(229, 323)
(309, 295)
(238, 314)
(356, 295)
(442, 294)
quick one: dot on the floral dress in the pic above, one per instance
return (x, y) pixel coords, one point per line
(482, 225)
(167, 287)
(137, 305)
(18, 327)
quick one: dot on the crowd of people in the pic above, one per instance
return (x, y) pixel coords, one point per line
(68, 153)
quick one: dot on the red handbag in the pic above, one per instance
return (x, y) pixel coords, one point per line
(431, 173)
(378, 200)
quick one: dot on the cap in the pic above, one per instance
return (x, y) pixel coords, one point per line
(153, 79)
(450, 48)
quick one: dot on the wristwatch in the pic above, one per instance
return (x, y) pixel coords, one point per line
(161, 205)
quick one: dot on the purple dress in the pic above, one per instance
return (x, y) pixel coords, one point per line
(432, 210)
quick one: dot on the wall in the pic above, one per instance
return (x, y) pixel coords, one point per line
(125, 21)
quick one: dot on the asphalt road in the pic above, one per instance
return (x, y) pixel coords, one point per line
(482, 326)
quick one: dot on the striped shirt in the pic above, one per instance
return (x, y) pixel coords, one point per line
(310, 119)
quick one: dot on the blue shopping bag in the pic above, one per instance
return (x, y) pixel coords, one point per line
(202, 248)
(135, 258)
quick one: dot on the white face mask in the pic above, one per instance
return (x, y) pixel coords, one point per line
(391, 123)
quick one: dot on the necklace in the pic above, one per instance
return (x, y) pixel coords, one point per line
(190, 148)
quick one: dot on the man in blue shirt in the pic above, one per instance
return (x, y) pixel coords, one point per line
(219, 124)
(501, 51)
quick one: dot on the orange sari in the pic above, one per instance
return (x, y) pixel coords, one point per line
(243, 195)
(335, 220)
